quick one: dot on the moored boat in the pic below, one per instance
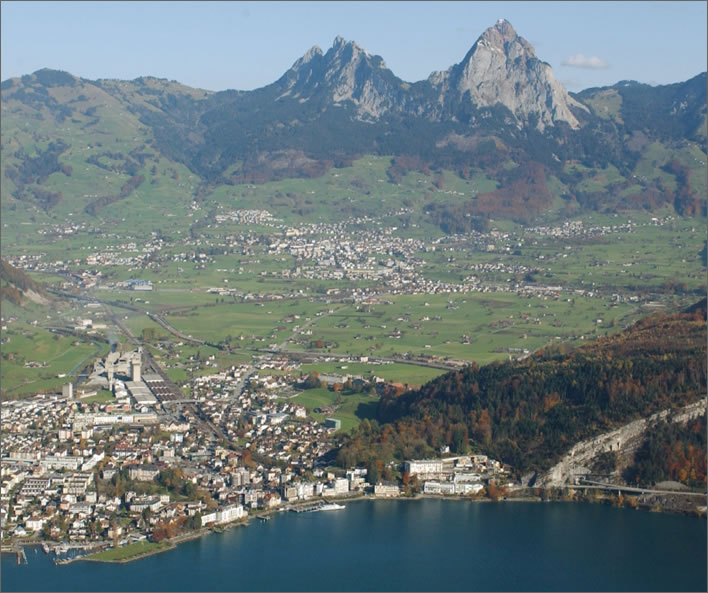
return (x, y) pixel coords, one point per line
(332, 506)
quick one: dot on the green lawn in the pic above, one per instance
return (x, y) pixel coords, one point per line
(128, 551)
(353, 409)
(102, 397)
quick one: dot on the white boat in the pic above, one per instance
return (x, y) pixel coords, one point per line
(332, 506)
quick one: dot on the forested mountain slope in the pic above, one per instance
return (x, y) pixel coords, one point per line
(530, 413)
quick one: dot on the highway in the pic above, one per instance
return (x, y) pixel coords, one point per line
(633, 489)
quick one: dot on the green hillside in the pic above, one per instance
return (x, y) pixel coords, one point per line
(129, 157)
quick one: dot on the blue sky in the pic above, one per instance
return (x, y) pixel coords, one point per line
(245, 45)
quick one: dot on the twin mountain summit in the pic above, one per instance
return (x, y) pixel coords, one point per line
(499, 104)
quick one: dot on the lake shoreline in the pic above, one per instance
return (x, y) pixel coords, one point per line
(312, 551)
(174, 542)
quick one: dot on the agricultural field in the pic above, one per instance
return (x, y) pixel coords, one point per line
(412, 374)
(473, 327)
(479, 327)
(605, 278)
(476, 327)
(36, 360)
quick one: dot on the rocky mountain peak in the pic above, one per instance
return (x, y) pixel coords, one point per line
(310, 54)
(501, 31)
(346, 50)
(345, 73)
(503, 37)
(502, 68)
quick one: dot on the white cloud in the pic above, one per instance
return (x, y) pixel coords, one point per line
(580, 61)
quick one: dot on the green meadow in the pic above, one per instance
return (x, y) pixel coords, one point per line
(128, 552)
(396, 372)
(438, 325)
(57, 355)
(353, 409)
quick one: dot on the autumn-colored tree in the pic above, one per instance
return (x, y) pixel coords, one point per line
(483, 428)
(312, 380)
(247, 459)
(493, 491)
(460, 442)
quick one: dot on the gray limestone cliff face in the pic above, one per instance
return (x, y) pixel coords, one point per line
(577, 461)
(502, 68)
(345, 73)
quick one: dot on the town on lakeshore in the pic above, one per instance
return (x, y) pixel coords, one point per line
(150, 464)
(155, 441)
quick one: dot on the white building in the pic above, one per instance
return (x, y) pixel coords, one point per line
(386, 490)
(425, 468)
(58, 462)
(432, 487)
(341, 486)
(224, 515)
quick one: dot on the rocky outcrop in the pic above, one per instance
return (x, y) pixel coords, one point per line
(578, 460)
(502, 68)
(346, 72)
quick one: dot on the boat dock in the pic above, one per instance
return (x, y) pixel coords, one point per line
(21, 556)
(307, 508)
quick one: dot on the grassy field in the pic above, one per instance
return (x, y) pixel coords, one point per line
(660, 260)
(248, 324)
(352, 410)
(102, 397)
(401, 373)
(340, 193)
(55, 354)
(129, 551)
(492, 323)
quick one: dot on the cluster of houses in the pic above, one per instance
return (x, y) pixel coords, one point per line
(247, 217)
(461, 475)
(61, 456)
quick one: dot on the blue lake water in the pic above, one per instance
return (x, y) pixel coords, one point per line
(422, 545)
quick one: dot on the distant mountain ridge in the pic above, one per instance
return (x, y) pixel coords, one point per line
(501, 68)
(500, 107)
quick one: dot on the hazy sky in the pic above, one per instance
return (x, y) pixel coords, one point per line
(245, 45)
